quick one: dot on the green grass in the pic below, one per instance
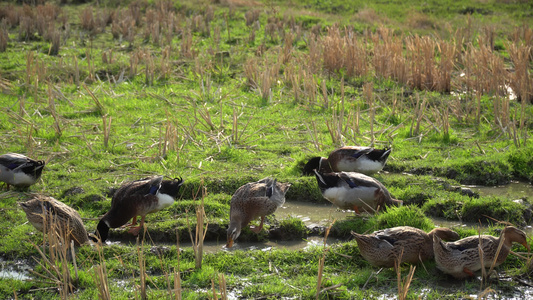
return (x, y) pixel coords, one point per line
(204, 121)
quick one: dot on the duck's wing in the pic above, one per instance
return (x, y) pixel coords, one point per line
(379, 154)
(352, 152)
(373, 241)
(14, 161)
(354, 180)
(147, 186)
(472, 242)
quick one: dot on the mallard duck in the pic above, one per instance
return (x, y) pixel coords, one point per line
(19, 170)
(461, 258)
(41, 210)
(252, 200)
(138, 198)
(383, 248)
(364, 160)
(355, 191)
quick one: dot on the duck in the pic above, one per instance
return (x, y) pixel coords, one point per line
(461, 258)
(19, 170)
(253, 200)
(383, 248)
(355, 191)
(41, 210)
(137, 198)
(366, 160)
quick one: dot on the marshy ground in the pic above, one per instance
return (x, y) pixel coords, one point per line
(222, 93)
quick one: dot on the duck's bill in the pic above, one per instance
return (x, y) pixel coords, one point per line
(229, 244)
(527, 246)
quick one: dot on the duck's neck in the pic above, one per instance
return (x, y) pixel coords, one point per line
(324, 166)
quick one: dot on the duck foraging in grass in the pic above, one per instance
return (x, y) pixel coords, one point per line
(138, 198)
(364, 160)
(252, 200)
(383, 248)
(355, 191)
(462, 258)
(46, 213)
(19, 170)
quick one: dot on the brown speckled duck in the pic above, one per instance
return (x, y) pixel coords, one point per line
(461, 258)
(252, 200)
(364, 160)
(383, 247)
(138, 198)
(19, 170)
(43, 209)
(355, 191)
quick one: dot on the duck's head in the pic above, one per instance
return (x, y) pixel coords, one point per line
(102, 232)
(513, 234)
(313, 163)
(234, 230)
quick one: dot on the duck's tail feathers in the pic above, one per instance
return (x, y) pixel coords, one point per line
(179, 179)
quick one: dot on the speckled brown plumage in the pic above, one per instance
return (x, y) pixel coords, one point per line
(43, 209)
(383, 247)
(461, 258)
(253, 200)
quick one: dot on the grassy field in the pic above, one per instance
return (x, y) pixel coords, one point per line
(222, 93)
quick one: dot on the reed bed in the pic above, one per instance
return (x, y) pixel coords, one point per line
(57, 256)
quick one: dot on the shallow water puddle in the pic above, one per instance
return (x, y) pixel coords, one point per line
(14, 270)
(213, 246)
(513, 190)
(312, 213)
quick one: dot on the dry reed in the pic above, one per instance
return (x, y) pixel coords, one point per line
(53, 112)
(322, 260)
(100, 275)
(54, 257)
(106, 123)
(403, 285)
(99, 107)
(201, 231)
(142, 268)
